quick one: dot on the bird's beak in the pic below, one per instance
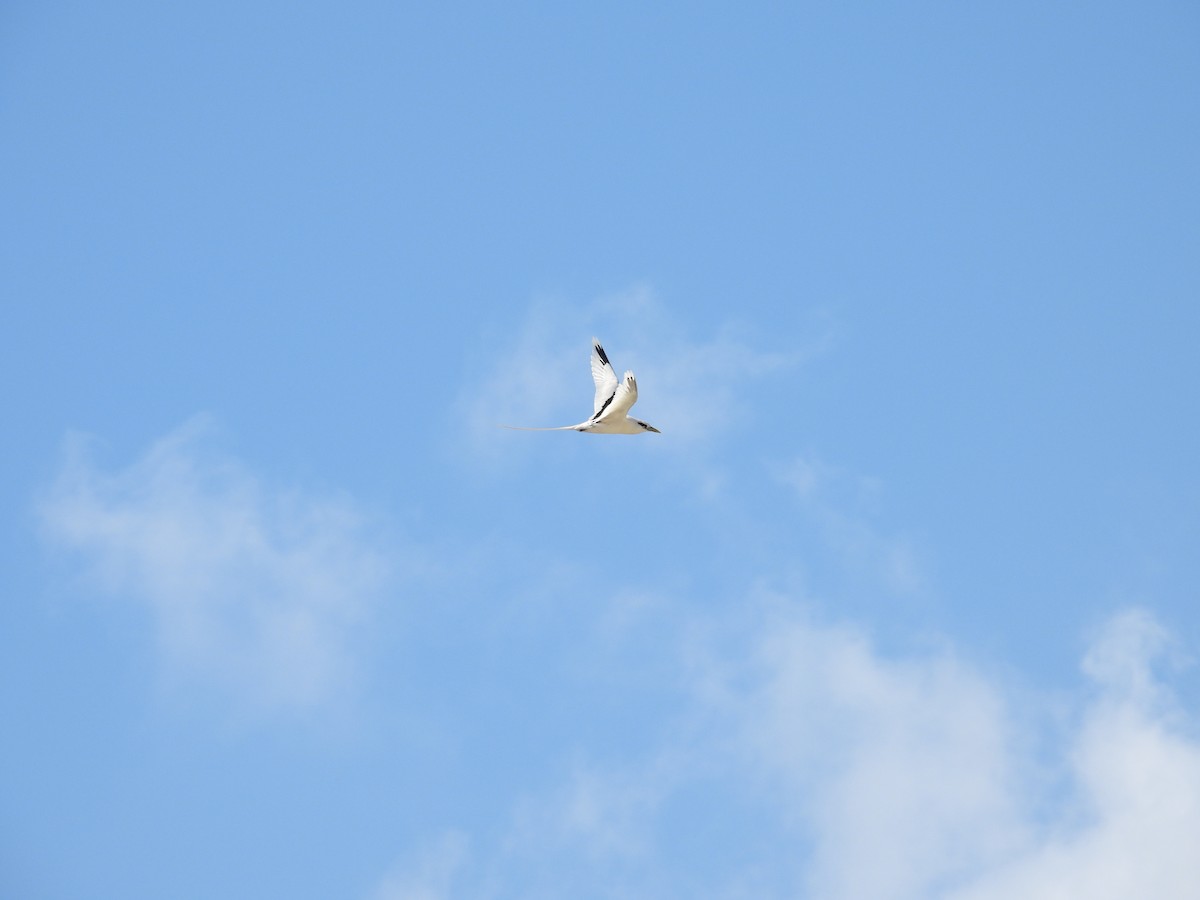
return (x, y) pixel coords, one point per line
(652, 428)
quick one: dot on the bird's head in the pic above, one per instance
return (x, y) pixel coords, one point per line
(646, 427)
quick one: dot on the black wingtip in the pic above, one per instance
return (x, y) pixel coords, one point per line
(600, 351)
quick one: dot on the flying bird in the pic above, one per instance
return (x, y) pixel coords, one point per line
(610, 412)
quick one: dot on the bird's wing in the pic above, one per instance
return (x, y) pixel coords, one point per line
(623, 399)
(604, 376)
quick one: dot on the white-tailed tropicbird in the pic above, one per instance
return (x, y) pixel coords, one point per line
(612, 404)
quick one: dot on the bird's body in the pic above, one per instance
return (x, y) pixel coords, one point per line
(610, 410)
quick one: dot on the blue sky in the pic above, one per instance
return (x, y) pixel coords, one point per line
(902, 603)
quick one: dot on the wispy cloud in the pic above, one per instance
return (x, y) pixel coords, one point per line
(428, 873)
(914, 775)
(843, 507)
(1132, 823)
(258, 589)
(690, 385)
(850, 773)
(601, 813)
(900, 770)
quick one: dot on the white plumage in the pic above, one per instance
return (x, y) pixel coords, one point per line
(610, 410)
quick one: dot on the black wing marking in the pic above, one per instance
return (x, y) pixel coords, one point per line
(604, 405)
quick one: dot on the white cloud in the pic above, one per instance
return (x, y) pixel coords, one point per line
(1132, 823)
(1122, 655)
(899, 772)
(257, 589)
(853, 773)
(913, 776)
